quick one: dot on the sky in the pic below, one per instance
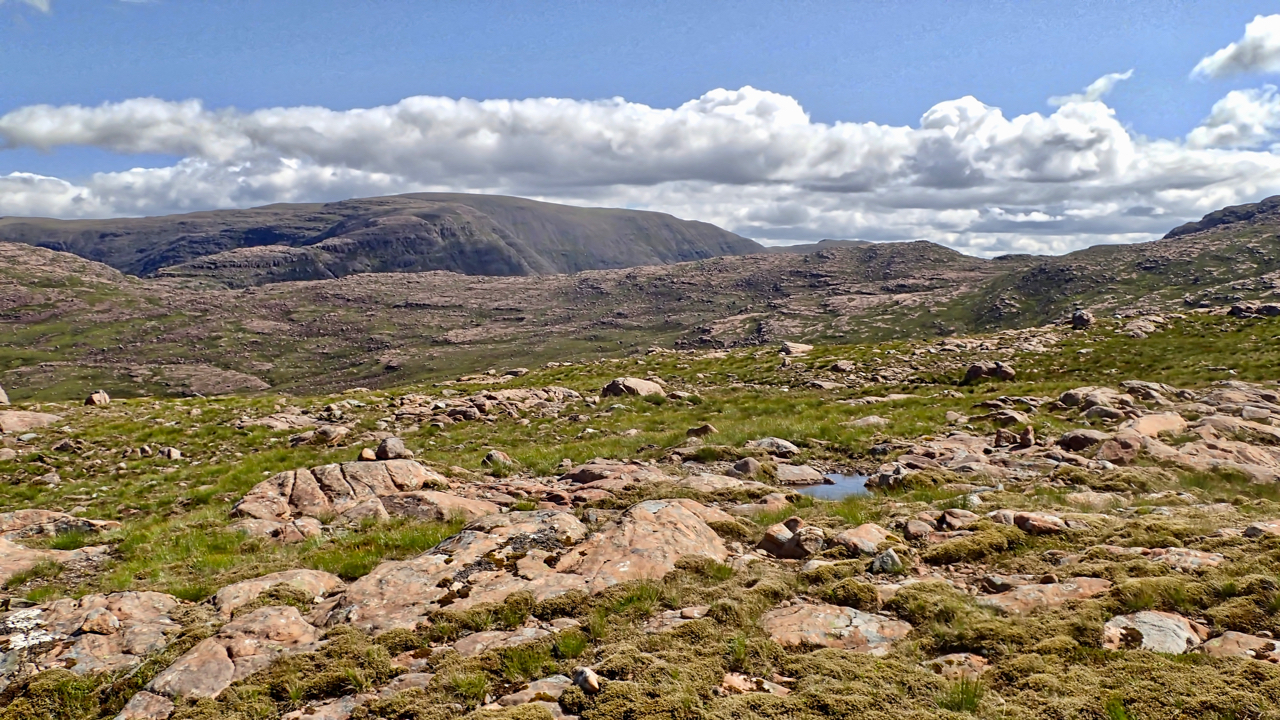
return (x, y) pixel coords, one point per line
(988, 126)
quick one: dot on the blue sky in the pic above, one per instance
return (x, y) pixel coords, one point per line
(882, 63)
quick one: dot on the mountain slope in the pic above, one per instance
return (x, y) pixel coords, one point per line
(68, 323)
(467, 234)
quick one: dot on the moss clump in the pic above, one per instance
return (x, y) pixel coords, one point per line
(401, 640)
(277, 596)
(827, 574)
(853, 593)
(414, 704)
(53, 694)
(927, 602)
(987, 540)
(570, 604)
(733, 530)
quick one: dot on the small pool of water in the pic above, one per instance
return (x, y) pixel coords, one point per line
(837, 487)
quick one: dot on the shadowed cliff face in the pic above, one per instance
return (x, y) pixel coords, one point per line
(466, 234)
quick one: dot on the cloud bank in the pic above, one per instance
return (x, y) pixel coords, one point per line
(1257, 51)
(749, 160)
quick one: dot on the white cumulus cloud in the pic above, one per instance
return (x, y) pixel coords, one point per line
(1257, 51)
(1244, 118)
(753, 161)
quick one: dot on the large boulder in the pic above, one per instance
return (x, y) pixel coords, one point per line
(1081, 320)
(1261, 528)
(613, 475)
(146, 706)
(997, 369)
(774, 446)
(646, 542)
(1156, 631)
(629, 386)
(834, 627)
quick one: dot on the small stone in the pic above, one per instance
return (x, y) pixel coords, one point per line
(795, 348)
(367, 455)
(1082, 319)
(1035, 523)
(863, 539)
(774, 446)
(587, 680)
(887, 563)
(393, 448)
(98, 398)
(917, 530)
(496, 458)
(748, 467)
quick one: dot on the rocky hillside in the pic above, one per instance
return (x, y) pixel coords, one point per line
(1068, 521)
(467, 234)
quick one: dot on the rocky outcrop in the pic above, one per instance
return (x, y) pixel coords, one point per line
(315, 583)
(801, 625)
(351, 491)
(36, 522)
(239, 649)
(96, 633)
(1027, 598)
(21, 421)
(546, 553)
(15, 558)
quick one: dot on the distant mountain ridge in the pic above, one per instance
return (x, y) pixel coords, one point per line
(462, 233)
